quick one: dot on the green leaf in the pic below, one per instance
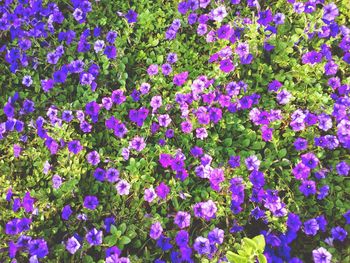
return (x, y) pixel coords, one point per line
(122, 228)
(260, 242)
(249, 243)
(262, 258)
(111, 240)
(282, 153)
(88, 259)
(234, 258)
(114, 230)
(228, 142)
(125, 240)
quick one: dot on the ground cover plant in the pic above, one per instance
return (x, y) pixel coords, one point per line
(174, 131)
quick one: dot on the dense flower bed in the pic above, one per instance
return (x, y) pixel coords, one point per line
(168, 131)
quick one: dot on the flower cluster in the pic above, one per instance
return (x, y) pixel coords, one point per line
(163, 132)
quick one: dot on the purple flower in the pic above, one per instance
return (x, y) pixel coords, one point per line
(120, 130)
(166, 69)
(331, 68)
(138, 143)
(164, 120)
(330, 12)
(156, 230)
(347, 217)
(91, 202)
(293, 222)
(274, 85)
(94, 237)
(28, 202)
(219, 13)
(87, 79)
(110, 52)
(279, 18)
(112, 175)
(308, 188)
(312, 57)
(323, 192)
(343, 168)
(16, 150)
(118, 96)
(27, 81)
(164, 243)
(322, 222)
(100, 174)
(257, 179)
(325, 122)
(234, 161)
(131, 16)
(162, 190)
(202, 245)
(182, 238)
(311, 227)
(339, 233)
(93, 158)
(72, 245)
(321, 255)
(216, 236)
(310, 160)
(266, 133)
(66, 212)
(11, 227)
(301, 171)
(125, 153)
(300, 144)
(182, 219)
(85, 126)
(283, 97)
(56, 181)
(265, 17)
(111, 36)
(224, 32)
(9, 110)
(252, 162)
(38, 247)
(107, 103)
(52, 58)
(226, 65)
(149, 194)
(152, 70)
(123, 187)
(180, 79)
(172, 58)
(242, 49)
(186, 127)
(201, 133)
(78, 14)
(75, 146)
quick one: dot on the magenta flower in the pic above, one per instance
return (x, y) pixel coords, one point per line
(93, 158)
(226, 65)
(72, 245)
(156, 230)
(137, 143)
(123, 187)
(149, 194)
(182, 219)
(180, 78)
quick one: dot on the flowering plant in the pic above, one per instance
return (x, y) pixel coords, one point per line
(172, 131)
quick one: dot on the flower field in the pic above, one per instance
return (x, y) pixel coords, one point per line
(175, 131)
